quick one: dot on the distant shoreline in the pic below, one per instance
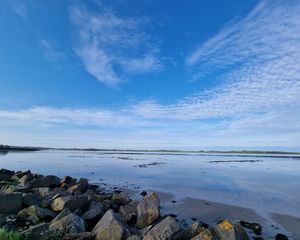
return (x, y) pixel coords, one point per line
(22, 148)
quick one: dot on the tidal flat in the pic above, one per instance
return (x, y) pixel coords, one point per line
(203, 186)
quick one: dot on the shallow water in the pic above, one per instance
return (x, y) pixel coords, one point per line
(261, 182)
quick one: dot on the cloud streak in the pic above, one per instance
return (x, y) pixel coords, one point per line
(112, 47)
(50, 51)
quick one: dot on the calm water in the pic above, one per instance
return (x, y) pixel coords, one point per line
(263, 183)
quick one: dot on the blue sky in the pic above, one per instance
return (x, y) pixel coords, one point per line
(150, 74)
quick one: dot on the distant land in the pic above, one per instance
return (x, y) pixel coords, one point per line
(25, 148)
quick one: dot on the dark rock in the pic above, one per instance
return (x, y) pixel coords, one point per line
(31, 199)
(67, 181)
(143, 193)
(148, 210)
(36, 232)
(71, 202)
(255, 227)
(10, 203)
(280, 236)
(71, 224)
(195, 229)
(111, 226)
(62, 214)
(164, 230)
(45, 181)
(225, 230)
(240, 233)
(80, 187)
(80, 236)
(204, 234)
(95, 212)
(5, 175)
(129, 212)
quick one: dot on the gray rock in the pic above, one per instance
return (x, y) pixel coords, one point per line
(80, 236)
(71, 224)
(129, 212)
(148, 210)
(195, 229)
(163, 230)
(10, 203)
(95, 212)
(80, 187)
(8, 188)
(5, 175)
(111, 226)
(225, 230)
(31, 199)
(240, 233)
(36, 232)
(25, 180)
(62, 214)
(133, 237)
(45, 181)
(71, 202)
(255, 227)
(120, 198)
(41, 213)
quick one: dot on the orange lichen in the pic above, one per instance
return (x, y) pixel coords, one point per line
(226, 225)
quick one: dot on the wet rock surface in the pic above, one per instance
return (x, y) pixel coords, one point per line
(47, 207)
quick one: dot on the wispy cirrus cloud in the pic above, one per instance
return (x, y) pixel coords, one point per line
(111, 46)
(20, 7)
(51, 51)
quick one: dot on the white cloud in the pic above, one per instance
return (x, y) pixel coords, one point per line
(111, 46)
(20, 7)
(50, 50)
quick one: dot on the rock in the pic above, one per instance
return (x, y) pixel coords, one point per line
(80, 236)
(10, 203)
(45, 181)
(240, 233)
(71, 202)
(120, 198)
(111, 226)
(195, 229)
(71, 224)
(41, 213)
(133, 237)
(92, 216)
(8, 188)
(129, 212)
(255, 227)
(68, 180)
(62, 214)
(36, 232)
(25, 180)
(143, 193)
(80, 187)
(163, 230)
(148, 210)
(280, 236)
(18, 175)
(225, 230)
(204, 234)
(5, 175)
(31, 199)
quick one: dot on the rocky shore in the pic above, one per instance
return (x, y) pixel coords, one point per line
(47, 207)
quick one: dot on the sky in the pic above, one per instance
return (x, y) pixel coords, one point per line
(153, 74)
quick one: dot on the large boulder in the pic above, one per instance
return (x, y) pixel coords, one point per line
(45, 181)
(129, 212)
(111, 226)
(204, 234)
(31, 199)
(6, 175)
(41, 213)
(148, 210)
(164, 230)
(67, 181)
(70, 202)
(10, 203)
(120, 198)
(225, 230)
(70, 223)
(25, 180)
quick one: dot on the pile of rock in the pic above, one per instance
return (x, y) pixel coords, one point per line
(46, 207)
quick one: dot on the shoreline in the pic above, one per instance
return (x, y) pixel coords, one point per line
(182, 213)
